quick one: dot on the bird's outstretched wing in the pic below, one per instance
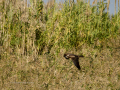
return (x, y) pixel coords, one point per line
(76, 62)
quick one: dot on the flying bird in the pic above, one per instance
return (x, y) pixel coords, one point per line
(74, 58)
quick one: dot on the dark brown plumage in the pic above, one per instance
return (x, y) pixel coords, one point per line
(74, 58)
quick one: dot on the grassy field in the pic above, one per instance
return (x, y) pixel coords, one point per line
(34, 39)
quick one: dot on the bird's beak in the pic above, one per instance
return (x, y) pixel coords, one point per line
(66, 57)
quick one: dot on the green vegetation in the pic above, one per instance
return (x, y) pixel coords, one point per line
(33, 40)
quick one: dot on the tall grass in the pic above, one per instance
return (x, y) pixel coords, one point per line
(66, 27)
(33, 40)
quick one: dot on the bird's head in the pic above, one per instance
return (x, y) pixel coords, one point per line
(66, 56)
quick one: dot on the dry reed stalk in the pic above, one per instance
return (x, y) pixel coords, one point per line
(108, 3)
(115, 6)
(50, 3)
(118, 5)
(88, 2)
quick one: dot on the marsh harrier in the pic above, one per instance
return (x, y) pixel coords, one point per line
(74, 58)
